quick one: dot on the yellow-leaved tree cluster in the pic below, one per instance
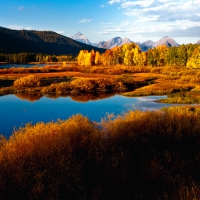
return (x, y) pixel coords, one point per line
(127, 54)
(131, 55)
(194, 61)
(86, 58)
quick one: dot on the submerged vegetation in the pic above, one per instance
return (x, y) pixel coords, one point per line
(141, 155)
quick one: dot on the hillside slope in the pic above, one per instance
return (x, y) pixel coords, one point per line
(16, 41)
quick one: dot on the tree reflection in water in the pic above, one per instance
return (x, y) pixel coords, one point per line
(79, 98)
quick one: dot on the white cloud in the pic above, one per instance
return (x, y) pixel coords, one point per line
(186, 24)
(144, 3)
(114, 1)
(85, 20)
(149, 18)
(103, 6)
(17, 27)
(29, 28)
(125, 23)
(60, 32)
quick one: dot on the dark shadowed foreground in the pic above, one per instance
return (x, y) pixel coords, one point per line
(142, 155)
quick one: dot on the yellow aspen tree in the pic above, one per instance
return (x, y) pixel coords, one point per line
(136, 56)
(116, 55)
(194, 62)
(162, 51)
(97, 60)
(92, 54)
(81, 58)
(128, 57)
(88, 59)
(143, 59)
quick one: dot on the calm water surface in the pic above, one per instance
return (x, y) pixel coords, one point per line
(25, 65)
(15, 112)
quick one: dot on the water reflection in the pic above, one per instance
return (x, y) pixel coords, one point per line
(16, 111)
(27, 65)
(79, 98)
(30, 97)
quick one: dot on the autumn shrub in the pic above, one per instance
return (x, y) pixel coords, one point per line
(104, 85)
(86, 86)
(126, 79)
(140, 69)
(81, 85)
(157, 70)
(49, 89)
(27, 81)
(98, 69)
(63, 87)
(141, 155)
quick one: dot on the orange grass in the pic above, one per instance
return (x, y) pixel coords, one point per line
(145, 80)
(141, 155)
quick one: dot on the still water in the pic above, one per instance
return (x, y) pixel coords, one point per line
(15, 112)
(25, 65)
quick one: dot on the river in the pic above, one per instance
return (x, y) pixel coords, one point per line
(16, 112)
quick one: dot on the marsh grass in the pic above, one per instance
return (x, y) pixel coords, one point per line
(160, 87)
(182, 97)
(89, 80)
(141, 155)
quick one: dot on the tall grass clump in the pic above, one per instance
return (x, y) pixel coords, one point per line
(141, 155)
(27, 81)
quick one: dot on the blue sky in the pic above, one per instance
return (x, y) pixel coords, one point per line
(101, 20)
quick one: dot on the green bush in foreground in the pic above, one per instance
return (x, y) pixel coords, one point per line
(141, 155)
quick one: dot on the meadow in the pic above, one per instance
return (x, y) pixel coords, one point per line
(77, 80)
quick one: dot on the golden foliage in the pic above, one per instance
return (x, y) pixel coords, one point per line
(150, 155)
(27, 81)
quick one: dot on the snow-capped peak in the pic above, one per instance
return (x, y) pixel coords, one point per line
(81, 38)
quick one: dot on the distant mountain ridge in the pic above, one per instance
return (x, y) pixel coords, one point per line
(118, 41)
(146, 45)
(81, 38)
(169, 42)
(47, 42)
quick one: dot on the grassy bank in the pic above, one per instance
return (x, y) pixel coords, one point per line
(141, 155)
(77, 80)
(182, 98)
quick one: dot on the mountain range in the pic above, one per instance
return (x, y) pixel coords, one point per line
(118, 41)
(47, 42)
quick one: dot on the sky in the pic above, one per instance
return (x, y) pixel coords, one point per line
(101, 20)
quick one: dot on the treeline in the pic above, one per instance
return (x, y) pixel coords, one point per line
(131, 55)
(23, 58)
